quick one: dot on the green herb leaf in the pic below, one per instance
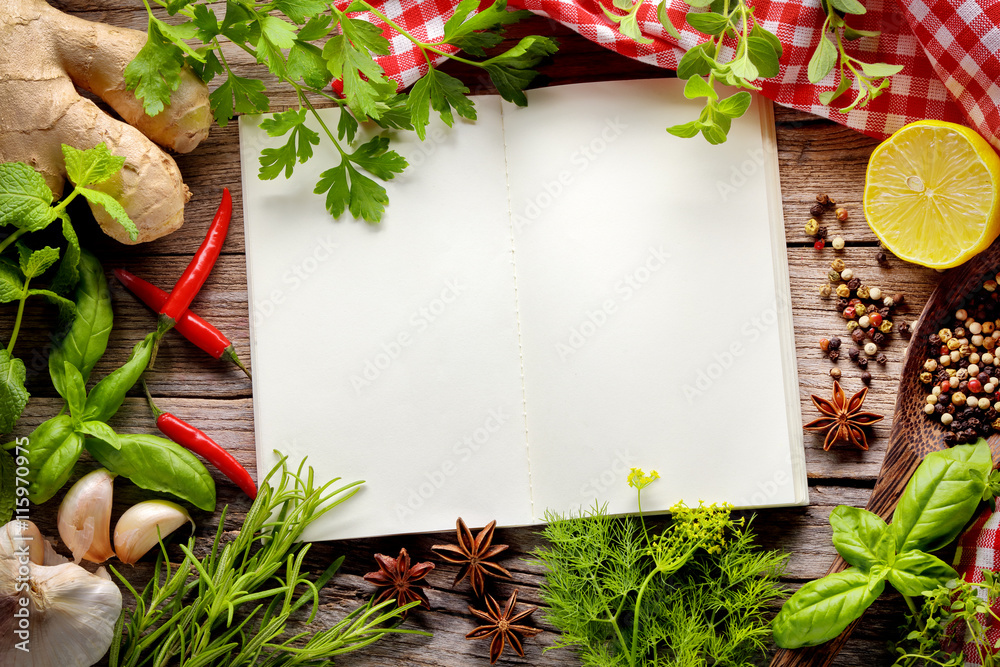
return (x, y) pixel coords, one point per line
(54, 448)
(299, 145)
(8, 487)
(856, 535)
(879, 70)
(736, 104)
(68, 274)
(695, 62)
(759, 31)
(374, 156)
(823, 60)
(107, 396)
(822, 609)
(685, 130)
(511, 71)
(462, 30)
(114, 209)
(317, 28)
(73, 389)
(664, 18)
(708, 22)
(155, 73)
(364, 81)
(830, 95)
(157, 464)
(11, 285)
(34, 264)
(101, 431)
(441, 92)
(300, 10)
(306, 63)
(238, 95)
(941, 497)
(346, 187)
(697, 87)
(848, 6)
(13, 395)
(207, 23)
(915, 572)
(87, 339)
(25, 199)
(95, 165)
(762, 54)
(852, 33)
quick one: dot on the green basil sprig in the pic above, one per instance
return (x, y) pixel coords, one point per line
(938, 502)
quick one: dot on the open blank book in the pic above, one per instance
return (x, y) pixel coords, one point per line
(555, 294)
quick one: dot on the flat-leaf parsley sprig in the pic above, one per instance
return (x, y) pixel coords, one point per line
(872, 78)
(622, 595)
(306, 44)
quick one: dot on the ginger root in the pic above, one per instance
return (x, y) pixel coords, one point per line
(44, 54)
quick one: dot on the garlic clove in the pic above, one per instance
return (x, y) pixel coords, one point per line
(142, 526)
(71, 613)
(85, 517)
(22, 538)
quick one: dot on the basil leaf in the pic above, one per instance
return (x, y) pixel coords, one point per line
(941, 497)
(53, 450)
(107, 396)
(157, 464)
(916, 571)
(101, 431)
(856, 535)
(87, 338)
(820, 610)
(13, 395)
(822, 61)
(76, 392)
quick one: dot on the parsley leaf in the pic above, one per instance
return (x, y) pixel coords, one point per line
(306, 63)
(364, 81)
(238, 95)
(300, 10)
(441, 92)
(511, 71)
(461, 30)
(155, 72)
(25, 199)
(374, 156)
(348, 188)
(299, 144)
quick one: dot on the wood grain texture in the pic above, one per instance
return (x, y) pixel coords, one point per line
(815, 156)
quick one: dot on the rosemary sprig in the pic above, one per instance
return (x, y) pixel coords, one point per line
(872, 78)
(232, 607)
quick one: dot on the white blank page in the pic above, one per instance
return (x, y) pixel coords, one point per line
(389, 353)
(646, 274)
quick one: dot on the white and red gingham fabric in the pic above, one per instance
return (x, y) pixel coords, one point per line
(978, 550)
(950, 50)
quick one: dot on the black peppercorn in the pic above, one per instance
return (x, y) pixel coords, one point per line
(863, 362)
(939, 408)
(842, 303)
(963, 385)
(983, 378)
(949, 438)
(884, 312)
(898, 299)
(866, 377)
(903, 328)
(964, 363)
(834, 343)
(854, 283)
(952, 409)
(817, 210)
(821, 233)
(881, 358)
(880, 257)
(942, 375)
(934, 340)
(991, 414)
(858, 335)
(853, 353)
(834, 355)
(878, 338)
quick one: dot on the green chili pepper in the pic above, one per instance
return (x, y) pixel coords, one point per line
(157, 464)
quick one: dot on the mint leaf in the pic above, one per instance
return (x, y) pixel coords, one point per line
(441, 92)
(823, 60)
(511, 71)
(13, 395)
(155, 72)
(8, 484)
(94, 165)
(113, 208)
(25, 199)
(238, 95)
(67, 309)
(34, 264)
(11, 284)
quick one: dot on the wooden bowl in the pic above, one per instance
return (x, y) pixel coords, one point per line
(913, 435)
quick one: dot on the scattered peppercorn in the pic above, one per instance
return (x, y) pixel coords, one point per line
(834, 343)
(835, 373)
(880, 257)
(825, 290)
(819, 244)
(854, 283)
(825, 201)
(838, 265)
(863, 363)
(812, 226)
(841, 214)
(821, 232)
(817, 210)
(824, 344)
(881, 358)
(838, 242)
(866, 377)
(834, 355)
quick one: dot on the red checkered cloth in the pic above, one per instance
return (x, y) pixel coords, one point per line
(949, 49)
(978, 550)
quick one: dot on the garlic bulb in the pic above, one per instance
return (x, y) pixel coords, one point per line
(142, 526)
(85, 517)
(51, 615)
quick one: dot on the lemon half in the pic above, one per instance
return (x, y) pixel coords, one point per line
(931, 193)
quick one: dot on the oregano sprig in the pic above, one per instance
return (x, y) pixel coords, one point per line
(307, 44)
(872, 78)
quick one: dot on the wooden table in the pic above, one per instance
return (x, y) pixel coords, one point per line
(815, 155)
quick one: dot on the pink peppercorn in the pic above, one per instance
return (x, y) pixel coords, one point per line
(849, 313)
(819, 244)
(975, 386)
(876, 319)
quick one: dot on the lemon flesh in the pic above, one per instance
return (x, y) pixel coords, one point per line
(931, 193)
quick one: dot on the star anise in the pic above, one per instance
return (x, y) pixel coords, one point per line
(502, 626)
(843, 419)
(399, 581)
(473, 555)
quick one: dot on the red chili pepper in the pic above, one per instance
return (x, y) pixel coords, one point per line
(191, 326)
(191, 438)
(199, 267)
